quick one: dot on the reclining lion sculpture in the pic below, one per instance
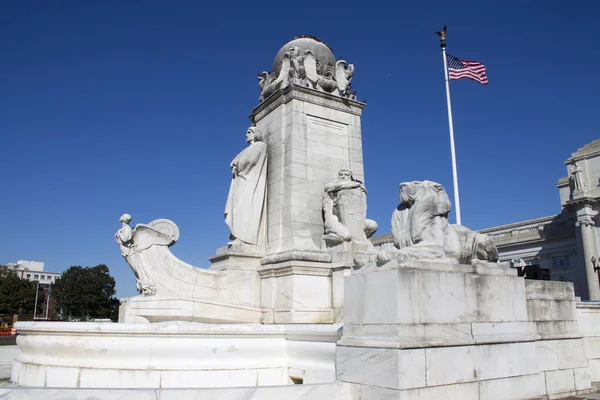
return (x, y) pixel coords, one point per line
(421, 230)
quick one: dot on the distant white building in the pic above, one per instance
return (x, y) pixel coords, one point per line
(33, 271)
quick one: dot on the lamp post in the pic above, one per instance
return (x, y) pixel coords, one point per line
(596, 268)
(37, 286)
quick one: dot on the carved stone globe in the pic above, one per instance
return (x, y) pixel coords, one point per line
(322, 52)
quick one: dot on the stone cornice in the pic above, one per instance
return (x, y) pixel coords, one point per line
(288, 269)
(386, 238)
(292, 92)
(583, 200)
(514, 225)
(587, 151)
(531, 232)
(562, 182)
(230, 254)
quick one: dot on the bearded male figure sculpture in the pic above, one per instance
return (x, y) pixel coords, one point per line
(421, 230)
(245, 211)
(345, 211)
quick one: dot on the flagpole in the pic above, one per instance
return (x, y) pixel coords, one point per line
(37, 286)
(452, 149)
(47, 304)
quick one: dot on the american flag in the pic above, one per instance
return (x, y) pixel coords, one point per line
(458, 69)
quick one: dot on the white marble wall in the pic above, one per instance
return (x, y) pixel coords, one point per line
(330, 391)
(7, 357)
(560, 350)
(430, 331)
(589, 324)
(173, 355)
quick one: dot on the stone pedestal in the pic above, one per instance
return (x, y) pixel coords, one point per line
(429, 304)
(433, 330)
(172, 355)
(236, 258)
(310, 135)
(301, 292)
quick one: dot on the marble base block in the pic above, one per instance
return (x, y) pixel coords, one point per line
(330, 391)
(297, 292)
(551, 305)
(236, 257)
(430, 330)
(172, 355)
(434, 304)
(415, 368)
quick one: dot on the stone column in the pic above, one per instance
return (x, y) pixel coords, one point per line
(585, 222)
(310, 135)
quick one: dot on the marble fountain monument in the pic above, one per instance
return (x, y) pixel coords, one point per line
(300, 304)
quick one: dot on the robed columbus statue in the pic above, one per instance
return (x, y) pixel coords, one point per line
(245, 211)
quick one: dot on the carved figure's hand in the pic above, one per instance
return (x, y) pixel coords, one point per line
(384, 256)
(234, 170)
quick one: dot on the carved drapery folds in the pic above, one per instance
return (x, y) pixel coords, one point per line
(245, 210)
(305, 68)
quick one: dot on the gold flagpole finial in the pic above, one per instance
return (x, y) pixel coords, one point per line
(442, 35)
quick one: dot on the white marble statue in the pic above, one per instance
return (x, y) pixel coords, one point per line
(245, 211)
(297, 71)
(421, 230)
(345, 210)
(329, 79)
(577, 176)
(335, 231)
(141, 248)
(343, 77)
(271, 82)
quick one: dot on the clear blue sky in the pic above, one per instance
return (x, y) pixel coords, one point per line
(109, 107)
